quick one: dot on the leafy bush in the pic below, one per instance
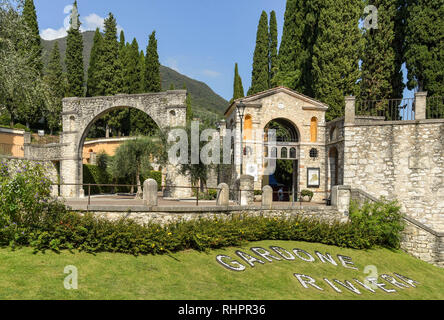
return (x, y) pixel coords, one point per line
(96, 175)
(381, 221)
(20, 126)
(307, 193)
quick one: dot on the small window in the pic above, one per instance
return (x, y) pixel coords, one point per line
(314, 153)
(293, 153)
(314, 129)
(284, 153)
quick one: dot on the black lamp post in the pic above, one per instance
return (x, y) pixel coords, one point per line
(241, 113)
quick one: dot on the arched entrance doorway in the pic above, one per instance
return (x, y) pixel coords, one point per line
(285, 150)
(333, 167)
(79, 114)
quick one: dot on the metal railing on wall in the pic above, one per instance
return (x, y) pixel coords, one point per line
(388, 109)
(435, 108)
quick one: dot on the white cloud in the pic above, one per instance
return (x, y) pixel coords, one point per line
(90, 22)
(211, 73)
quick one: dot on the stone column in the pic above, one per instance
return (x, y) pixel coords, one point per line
(420, 105)
(246, 186)
(267, 197)
(340, 198)
(350, 109)
(223, 195)
(150, 189)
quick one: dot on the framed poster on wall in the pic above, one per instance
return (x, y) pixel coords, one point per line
(313, 177)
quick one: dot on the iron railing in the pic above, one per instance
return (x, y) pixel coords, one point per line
(435, 108)
(388, 109)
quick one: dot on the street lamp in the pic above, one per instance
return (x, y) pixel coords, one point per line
(241, 113)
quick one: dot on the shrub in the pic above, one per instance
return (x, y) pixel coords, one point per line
(381, 221)
(96, 175)
(307, 193)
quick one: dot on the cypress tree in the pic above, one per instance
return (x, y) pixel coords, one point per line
(74, 56)
(96, 53)
(238, 89)
(152, 66)
(134, 68)
(142, 71)
(56, 81)
(381, 74)
(424, 53)
(273, 51)
(260, 74)
(291, 52)
(34, 43)
(336, 54)
(110, 68)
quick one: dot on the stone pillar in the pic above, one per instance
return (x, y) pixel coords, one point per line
(246, 189)
(340, 198)
(267, 197)
(223, 195)
(420, 105)
(350, 109)
(150, 189)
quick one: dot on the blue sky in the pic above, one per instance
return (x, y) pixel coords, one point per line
(199, 38)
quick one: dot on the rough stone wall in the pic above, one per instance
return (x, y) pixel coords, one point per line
(15, 164)
(423, 244)
(401, 160)
(165, 217)
(43, 152)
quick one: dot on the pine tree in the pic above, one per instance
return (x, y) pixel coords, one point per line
(424, 53)
(152, 66)
(34, 45)
(336, 54)
(96, 53)
(380, 70)
(74, 56)
(291, 58)
(273, 51)
(260, 74)
(238, 89)
(56, 81)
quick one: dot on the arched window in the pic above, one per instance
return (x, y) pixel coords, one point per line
(314, 129)
(293, 153)
(248, 127)
(333, 134)
(266, 152)
(284, 153)
(72, 121)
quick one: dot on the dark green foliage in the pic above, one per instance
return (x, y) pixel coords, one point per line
(381, 71)
(152, 66)
(34, 45)
(56, 80)
(95, 175)
(424, 52)
(93, 75)
(238, 88)
(74, 60)
(260, 74)
(189, 109)
(336, 54)
(381, 222)
(273, 50)
(291, 57)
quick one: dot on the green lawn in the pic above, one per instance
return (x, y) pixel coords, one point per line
(193, 275)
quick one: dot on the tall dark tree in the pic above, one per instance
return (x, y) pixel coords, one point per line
(74, 56)
(424, 53)
(56, 81)
(238, 89)
(152, 66)
(336, 54)
(260, 74)
(381, 74)
(291, 58)
(273, 50)
(142, 71)
(34, 43)
(110, 69)
(93, 74)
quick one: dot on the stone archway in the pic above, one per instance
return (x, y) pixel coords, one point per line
(80, 113)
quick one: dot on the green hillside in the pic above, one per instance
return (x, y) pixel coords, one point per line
(206, 103)
(191, 275)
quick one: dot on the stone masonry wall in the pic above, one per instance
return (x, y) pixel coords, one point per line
(401, 160)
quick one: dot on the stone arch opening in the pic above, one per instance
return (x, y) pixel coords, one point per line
(333, 165)
(87, 110)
